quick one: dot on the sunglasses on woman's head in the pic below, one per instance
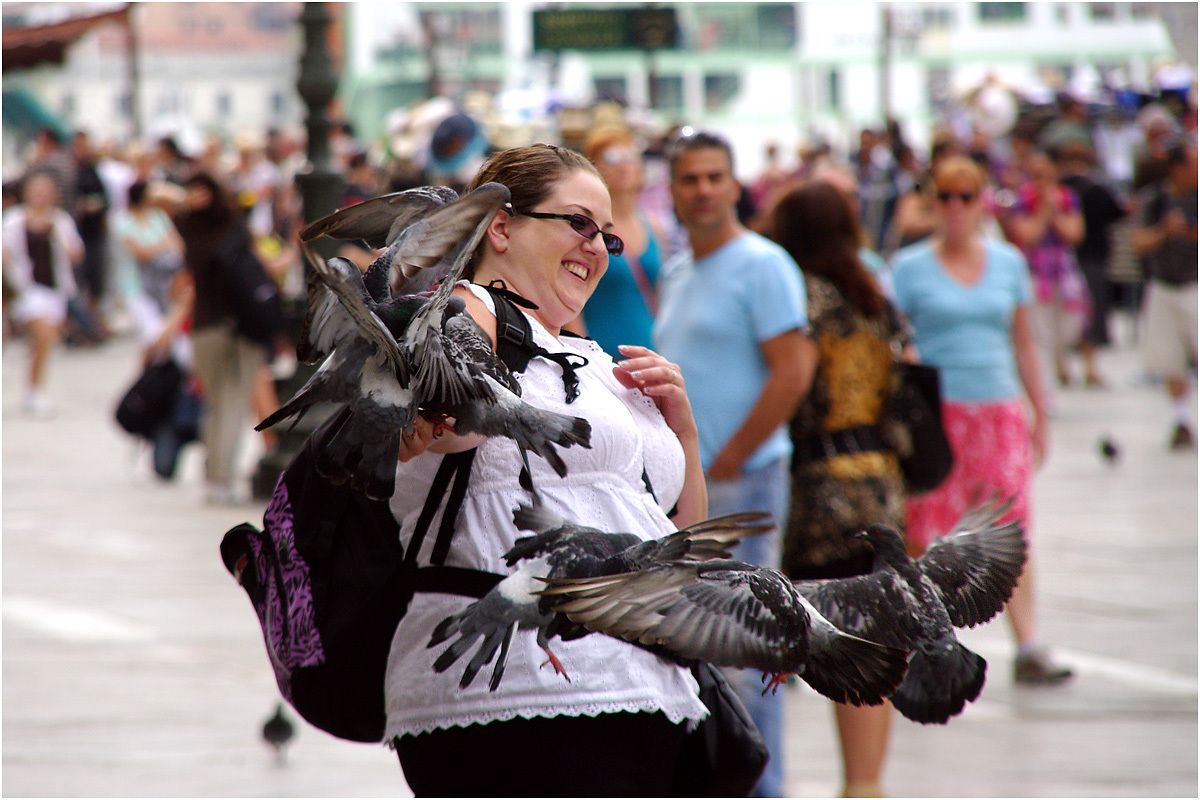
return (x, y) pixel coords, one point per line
(965, 197)
(585, 227)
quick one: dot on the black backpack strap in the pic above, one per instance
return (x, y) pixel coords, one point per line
(514, 339)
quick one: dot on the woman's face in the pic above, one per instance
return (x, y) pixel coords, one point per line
(545, 260)
(959, 202)
(621, 167)
(40, 191)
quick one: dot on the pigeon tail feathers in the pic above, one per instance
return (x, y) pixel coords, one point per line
(939, 683)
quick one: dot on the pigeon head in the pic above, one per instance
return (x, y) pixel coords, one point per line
(882, 539)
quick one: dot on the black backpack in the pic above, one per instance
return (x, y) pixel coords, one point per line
(329, 580)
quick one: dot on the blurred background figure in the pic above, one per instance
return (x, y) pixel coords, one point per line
(622, 309)
(969, 300)
(1166, 238)
(149, 237)
(41, 249)
(1102, 209)
(91, 219)
(1046, 225)
(843, 476)
(217, 244)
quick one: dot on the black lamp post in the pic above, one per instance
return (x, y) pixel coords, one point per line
(321, 187)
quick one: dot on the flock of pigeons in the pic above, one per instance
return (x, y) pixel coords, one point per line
(394, 347)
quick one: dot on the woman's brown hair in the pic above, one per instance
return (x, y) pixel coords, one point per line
(816, 225)
(530, 174)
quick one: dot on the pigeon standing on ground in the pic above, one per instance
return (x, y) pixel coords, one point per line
(563, 549)
(962, 580)
(278, 731)
(1109, 451)
(392, 357)
(737, 615)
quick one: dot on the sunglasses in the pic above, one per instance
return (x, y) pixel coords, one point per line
(585, 227)
(965, 197)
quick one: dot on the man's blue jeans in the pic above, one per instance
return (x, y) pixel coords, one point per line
(765, 489)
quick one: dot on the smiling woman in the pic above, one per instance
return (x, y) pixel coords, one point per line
(623, 706)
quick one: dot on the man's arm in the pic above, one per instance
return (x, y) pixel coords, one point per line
(792, 359)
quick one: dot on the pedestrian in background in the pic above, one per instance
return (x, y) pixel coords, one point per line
(844, 478)
(1166, 238)
(1101, 210)
(1047, 225)
(42, 247)
(621, 310)
(733, 319)
(217, 243)
(968, 299)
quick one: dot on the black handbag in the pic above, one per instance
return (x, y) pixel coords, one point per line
(151, 399)
(725, 755)
(913, 427)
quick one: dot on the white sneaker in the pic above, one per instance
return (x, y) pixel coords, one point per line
(37, 406)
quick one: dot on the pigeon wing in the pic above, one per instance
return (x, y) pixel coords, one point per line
(975, 572)
(345, 282)
(379, 221)
(879, 607)
(725, 612)
(462, 225)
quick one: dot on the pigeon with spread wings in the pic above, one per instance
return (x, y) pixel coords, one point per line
(391, 357)
(736, 615)
(564, 549)
(962, 580)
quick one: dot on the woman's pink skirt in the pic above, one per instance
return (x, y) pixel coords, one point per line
(990, 442)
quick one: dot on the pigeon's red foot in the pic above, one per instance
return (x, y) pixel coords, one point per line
(553, 661)
(776, 680)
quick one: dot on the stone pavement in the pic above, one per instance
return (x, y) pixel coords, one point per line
(133, 665)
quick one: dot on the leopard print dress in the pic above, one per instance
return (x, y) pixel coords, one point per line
(835, 496)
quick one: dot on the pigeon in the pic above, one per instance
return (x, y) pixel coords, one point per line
(278, 732)
(962, 580)
(1109, 451)
(560, 548)
(733, 614)
(391, 357)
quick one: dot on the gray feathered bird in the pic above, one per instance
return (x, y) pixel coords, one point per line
(390, 357)
(561, 548)
(737, 615)
(962, 580)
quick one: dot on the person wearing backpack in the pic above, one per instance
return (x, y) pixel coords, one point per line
(618, 726)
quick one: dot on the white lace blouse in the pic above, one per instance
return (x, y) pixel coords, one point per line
(604, 489)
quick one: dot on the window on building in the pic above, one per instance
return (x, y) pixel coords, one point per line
(612, 88)
(124, 105)
(719, 89)
(936, 17)
(67, 105)
(743, 26)
(1143, 10)
(937, 86)
(278, 104)
(224, 104)
(1062, 14)
(1001, 12)
(833, 83)
(667, 92)
(213, 26)
(1102, 12)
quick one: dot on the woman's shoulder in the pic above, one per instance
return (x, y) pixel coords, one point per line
(914, 256)
(1004, 253)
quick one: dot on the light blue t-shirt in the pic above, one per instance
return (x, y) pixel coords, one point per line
(712, 318)
(965, 330)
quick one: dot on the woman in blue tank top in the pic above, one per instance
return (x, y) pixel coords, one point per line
(622, 309)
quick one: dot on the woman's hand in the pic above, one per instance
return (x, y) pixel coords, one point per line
(422, 436)
(661, 381)
(1039, 440)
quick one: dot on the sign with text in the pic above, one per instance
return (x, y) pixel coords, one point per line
(605, 29)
